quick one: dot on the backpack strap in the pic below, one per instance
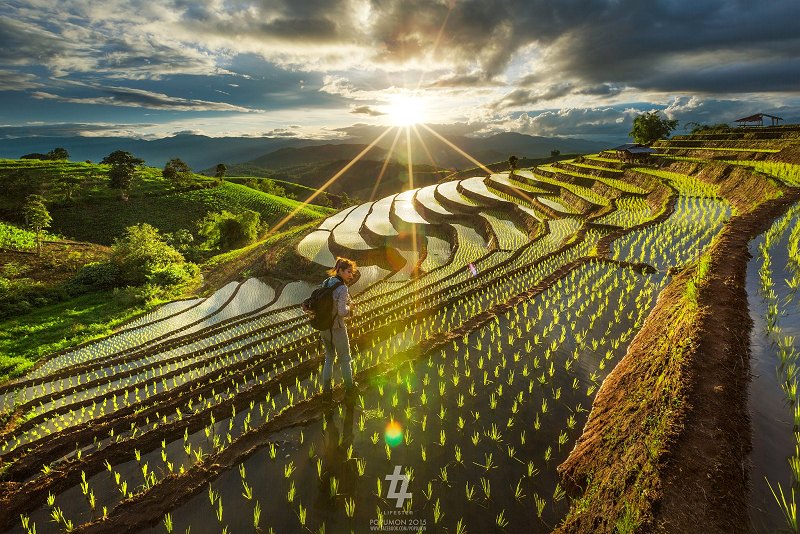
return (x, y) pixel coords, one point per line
(334, 287)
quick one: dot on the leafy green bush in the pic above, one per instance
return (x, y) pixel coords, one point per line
(174, 274)
(142, 256)
(227, 231)
(96, 275)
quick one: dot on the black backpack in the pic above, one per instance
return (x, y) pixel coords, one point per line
(320, 305)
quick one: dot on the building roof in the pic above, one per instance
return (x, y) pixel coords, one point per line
(634, 148)
(627, 146)
(757, 117)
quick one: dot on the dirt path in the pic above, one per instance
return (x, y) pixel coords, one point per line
(666, 444)
(710, 459)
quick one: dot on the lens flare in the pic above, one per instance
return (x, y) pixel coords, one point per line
(393, 434)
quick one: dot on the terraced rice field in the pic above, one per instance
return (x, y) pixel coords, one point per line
(489, 312)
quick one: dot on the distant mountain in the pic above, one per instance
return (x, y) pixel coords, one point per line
(290, 156)
(486, 150)
(202, 152)
(197, 150)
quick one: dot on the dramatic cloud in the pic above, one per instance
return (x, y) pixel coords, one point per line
(526, 97)
(72, 130)
(473, 60)
(136, 98)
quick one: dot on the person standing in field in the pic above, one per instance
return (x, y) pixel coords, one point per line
(335, 340)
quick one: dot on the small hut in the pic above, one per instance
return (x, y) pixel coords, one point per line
(758, 120)
(633, 152)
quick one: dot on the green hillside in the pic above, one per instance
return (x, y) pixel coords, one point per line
(86, 209)
(298, 191)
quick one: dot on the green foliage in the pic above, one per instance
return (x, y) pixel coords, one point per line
(58, 153)
(96, 275)
(512, 162)
(36, 216)
(227, 231)
(267, 185)
(14, 238)
(707, 128)
(178, 172)
(220, 170)
(123, 169)
(141, 256)
(43, 329)
(650, 127)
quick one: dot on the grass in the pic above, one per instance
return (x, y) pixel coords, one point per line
(26, 338)
(94, 212)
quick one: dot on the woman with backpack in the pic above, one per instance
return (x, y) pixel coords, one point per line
(335, 339)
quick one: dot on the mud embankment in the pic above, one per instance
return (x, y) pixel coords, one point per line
(667, 439)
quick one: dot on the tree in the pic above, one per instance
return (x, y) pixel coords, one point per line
(58, 153)
(220, 171)
(226, 231)
(141, 256)
(68, 183)
(37, 217)
(178, 172)
(555, 153)
(34, 155)
(123, 169)
(650, 127)
(512, 163)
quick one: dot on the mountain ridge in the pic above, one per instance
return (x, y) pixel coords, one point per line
(202, 152)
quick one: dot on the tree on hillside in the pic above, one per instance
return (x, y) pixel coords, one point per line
(36, 217)
(55, 154)
(58, 153)
(123, 169)
(178, 172)
(512, 163)
(650, 127)
(142, 256)
(220, 171)
(226, 231)
(68, 183)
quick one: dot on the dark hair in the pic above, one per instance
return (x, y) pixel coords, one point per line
(341, 264)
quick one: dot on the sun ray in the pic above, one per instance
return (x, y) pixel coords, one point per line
(411, 186)
(457, 149)
(327, 184)
(425, 148)
(385, 164)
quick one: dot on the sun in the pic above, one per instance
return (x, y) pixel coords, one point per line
(406, 109)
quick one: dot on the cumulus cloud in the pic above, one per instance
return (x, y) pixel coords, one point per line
(613, 42)
(585, 54)
(138, 98)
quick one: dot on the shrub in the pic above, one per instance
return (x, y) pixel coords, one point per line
(96, 275)
(141, 254)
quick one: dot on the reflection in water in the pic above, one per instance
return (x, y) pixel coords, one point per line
(337, 471)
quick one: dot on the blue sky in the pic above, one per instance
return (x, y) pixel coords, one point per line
(316, 68)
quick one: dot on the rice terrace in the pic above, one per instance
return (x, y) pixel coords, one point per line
(563, 347)
(372, 266)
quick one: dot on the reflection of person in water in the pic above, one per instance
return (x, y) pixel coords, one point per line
(334, 454)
